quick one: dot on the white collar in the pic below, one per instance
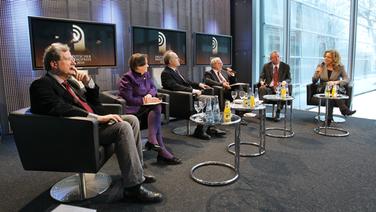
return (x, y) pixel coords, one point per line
(56, 77)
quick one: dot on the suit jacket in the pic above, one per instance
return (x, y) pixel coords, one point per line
(335, 75)
(133, 88)
(172, 81)
(48, 97)
(283, 73)
(211, 79)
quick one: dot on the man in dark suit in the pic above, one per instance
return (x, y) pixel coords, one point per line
(56, 95)
(217, 77)
(272, 73)
(173, 80)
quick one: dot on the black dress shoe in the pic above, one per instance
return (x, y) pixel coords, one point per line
(215, 131)
(350, 112)
(139, 193)
(154, 147)
(201, 135)
(169, 161)
(149, 179)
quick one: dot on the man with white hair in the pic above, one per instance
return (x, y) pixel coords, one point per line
(218, 76)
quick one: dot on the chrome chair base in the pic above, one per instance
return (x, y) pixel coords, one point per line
(184, 129)
(69, 189)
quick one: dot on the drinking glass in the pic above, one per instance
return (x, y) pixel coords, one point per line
(278, 90)
(197, 106)
(241, 94)
(234, 94)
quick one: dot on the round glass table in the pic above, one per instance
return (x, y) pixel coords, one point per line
(327, 130)
(287, 132)
(235, 120)
(261, 144)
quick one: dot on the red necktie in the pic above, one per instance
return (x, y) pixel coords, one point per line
(85, 105)
(275, 76)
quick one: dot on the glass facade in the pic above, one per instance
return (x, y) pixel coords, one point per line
(313, 27)
(365, 58)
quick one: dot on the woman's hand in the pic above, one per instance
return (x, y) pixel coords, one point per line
(149, 99)
(318, 70)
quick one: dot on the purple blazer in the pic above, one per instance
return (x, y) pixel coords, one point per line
(133, 87)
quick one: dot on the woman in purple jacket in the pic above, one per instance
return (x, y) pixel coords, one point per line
(139, 91)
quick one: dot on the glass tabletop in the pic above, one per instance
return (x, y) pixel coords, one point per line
(241, 107)
(274, 97)
(200, 118)
(322, 96)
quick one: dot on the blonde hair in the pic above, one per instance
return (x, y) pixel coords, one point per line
(336, 58)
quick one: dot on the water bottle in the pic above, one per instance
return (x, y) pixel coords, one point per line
(256, 96)
(283, 91)
(216, 111)
(227, 112)
(327, 90)
(334, 91)
(251, 99)
(209, 111)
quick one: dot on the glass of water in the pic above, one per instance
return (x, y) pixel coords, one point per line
(234, 94)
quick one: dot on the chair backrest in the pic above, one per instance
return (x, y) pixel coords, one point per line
(156, 75)
(47, 143)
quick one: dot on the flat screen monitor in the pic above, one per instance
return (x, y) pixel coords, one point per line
(209, 46)
(91, 44)
(155, 42)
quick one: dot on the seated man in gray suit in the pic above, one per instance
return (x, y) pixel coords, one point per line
(272, 73)
(56, 95)
(220, 77)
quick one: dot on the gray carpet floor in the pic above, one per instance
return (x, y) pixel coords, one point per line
(307, 172)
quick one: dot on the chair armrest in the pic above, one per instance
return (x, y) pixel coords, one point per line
(208, 91)
(111, 97)
(113, 108)
(165, 107)
(181, 103)
(241, 86)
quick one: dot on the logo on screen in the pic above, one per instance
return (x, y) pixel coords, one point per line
(214, 45)
(161, 42)
(78, 38)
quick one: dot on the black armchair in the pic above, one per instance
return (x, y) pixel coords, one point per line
(312, 90)
(112, 96)
(43, 145)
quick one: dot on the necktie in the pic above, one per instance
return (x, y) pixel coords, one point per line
(275, 76)
(85, 105)
(177, 71)
(221, 77)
